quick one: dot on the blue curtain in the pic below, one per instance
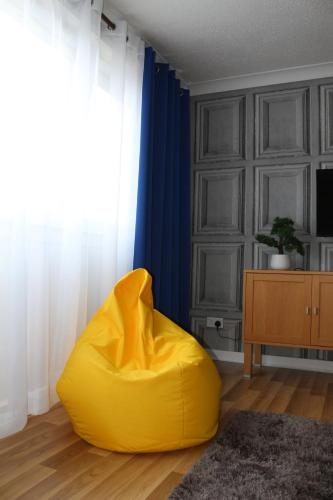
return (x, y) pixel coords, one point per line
(162, 239)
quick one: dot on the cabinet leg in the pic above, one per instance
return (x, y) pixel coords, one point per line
(257, 355)
(248, 352)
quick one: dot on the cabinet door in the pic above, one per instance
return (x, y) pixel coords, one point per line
(322, 311)
(278, 308)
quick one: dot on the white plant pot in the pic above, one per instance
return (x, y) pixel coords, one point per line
(280, 261)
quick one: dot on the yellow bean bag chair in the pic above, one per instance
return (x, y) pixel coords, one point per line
(135, 381)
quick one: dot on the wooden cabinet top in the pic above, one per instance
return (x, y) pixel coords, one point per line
(287, 271)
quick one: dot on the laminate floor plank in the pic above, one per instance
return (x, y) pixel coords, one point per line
(47, 460)
(64, 474)
(58, 416)
(265, 397)
(319, 387)
(36, 419)
(62, 457)
(246, 400)
(81, 484)
(27, 446)
(260, 381)
(328, 405)
(241, 386)
(190, 456)
(114, 485)
(25, 435)
(15, 467)
(229, 383)
(315, 407)
(165, 487)
(151, 477)
(25, 481)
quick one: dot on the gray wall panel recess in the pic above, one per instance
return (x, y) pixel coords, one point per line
(255, 153)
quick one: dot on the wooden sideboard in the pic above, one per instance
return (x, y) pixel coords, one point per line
(286, 308)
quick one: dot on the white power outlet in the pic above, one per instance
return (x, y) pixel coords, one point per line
(210, 322)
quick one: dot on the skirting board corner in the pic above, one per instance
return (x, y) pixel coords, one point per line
(275, 361)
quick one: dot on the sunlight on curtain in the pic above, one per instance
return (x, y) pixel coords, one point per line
(70, 101)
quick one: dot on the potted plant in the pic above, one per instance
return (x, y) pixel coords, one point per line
(285, 241)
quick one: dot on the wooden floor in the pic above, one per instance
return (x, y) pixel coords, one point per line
(47, 460)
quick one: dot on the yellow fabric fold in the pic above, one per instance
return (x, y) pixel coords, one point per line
(135, 381)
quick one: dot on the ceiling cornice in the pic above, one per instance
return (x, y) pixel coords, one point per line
(285, 75)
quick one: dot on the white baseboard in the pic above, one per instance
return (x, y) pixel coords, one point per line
(315, 365)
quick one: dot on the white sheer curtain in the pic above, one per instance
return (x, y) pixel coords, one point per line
(70, 106)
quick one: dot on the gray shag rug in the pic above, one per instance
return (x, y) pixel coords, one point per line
(264, 456)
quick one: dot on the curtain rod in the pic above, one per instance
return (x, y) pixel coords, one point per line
(110, 24)
(108, 21)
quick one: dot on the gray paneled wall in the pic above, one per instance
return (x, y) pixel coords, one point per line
(255, 156)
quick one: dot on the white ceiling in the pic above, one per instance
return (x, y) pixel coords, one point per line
(212, 39)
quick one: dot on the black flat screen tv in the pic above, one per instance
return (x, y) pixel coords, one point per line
(325, 202)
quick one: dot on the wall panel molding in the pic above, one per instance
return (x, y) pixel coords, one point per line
(326, 256)
(221, 130)
(326, 119)
(229, 337)
(220, 201)
(282, 190)
(281, 123)
(217, 272)
(262, 253)
(324, 165)
(239, 187)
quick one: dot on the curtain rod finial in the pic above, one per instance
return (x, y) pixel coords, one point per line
(108, 22)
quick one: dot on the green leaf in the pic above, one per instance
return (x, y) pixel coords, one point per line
(284, 229)
(267, 240)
